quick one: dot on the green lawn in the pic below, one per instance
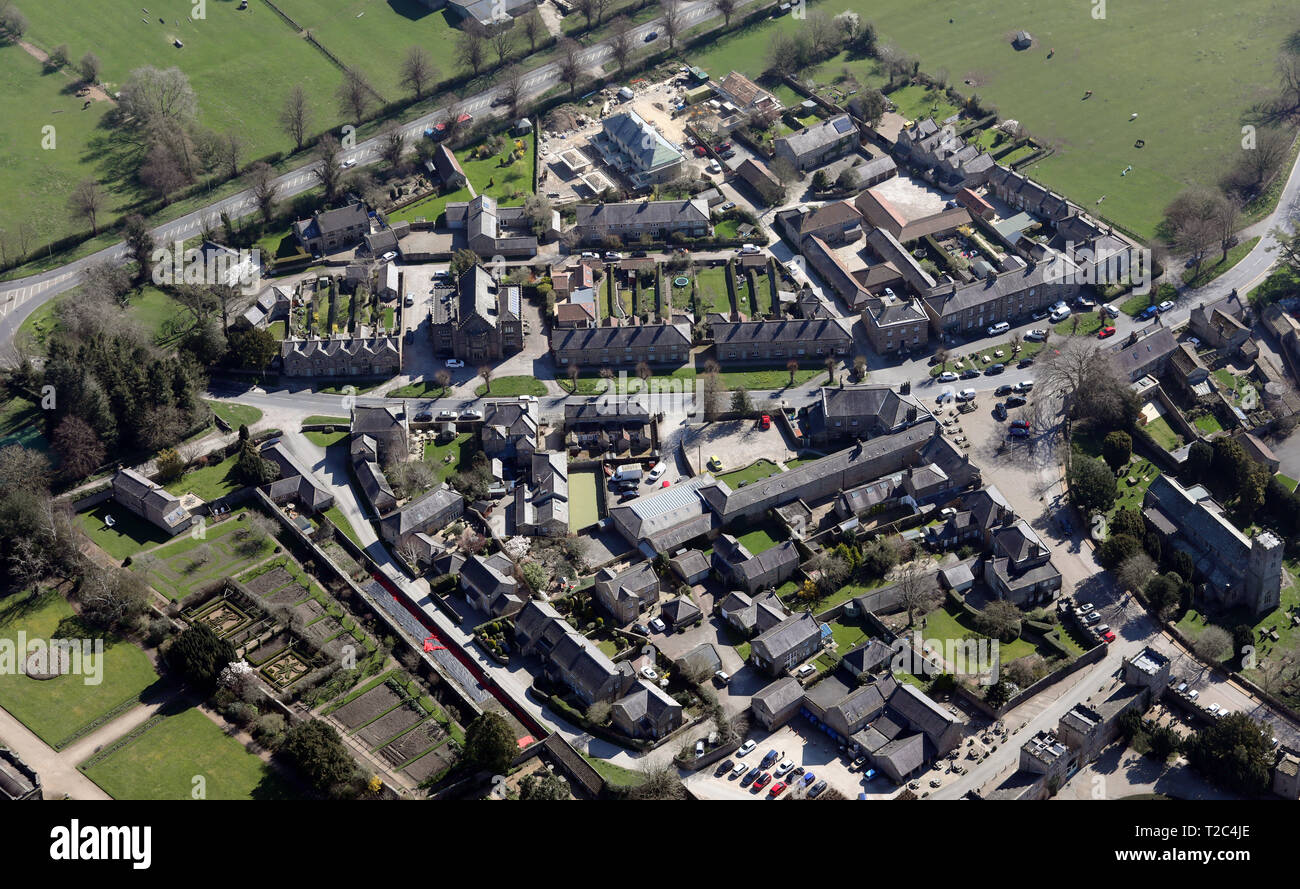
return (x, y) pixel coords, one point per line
(760, 539)
(129, 535)
(429, 208)
(188, 563)
(711, 288)
(615, 775)
(942, 625)
(759, 469)
(210, 482)
(506, 179)
(847, 636)
(1289, 482)
(1220, 265)
(1208, 423)
(584, 507)
(319, 420)
(985, 358)
(235, 414)
(436, 455)
(335, 515)
(174, 757)
(1164, 434)
(20, 424)
(326, 439)
(1088, 324)
(506, 387)
(58, 709)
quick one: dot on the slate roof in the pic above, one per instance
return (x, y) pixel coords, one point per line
(643, 213)
(789, 634)
(642, 336)
(415, 514)
(814, 138)
(642, 142)
(828, 331)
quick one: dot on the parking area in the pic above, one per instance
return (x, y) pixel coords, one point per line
(736, 444)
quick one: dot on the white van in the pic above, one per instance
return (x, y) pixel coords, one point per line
(1000, 327)
(626, 474)
(749, 248)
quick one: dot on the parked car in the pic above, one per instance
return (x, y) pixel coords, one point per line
(455, 363)
(1036, 335)
(650, 673)
(994, 370)
(446, 415)
(1026, 362)
(658, 625)
(1016, 401)
(1148, 313)
(1000, 391)
(737, 770)
(1107, 331)
(1084, 302)
(424, 417)
(725, 766)
(1212, 709)
(804, 671)
(816, 790)
(966, 395)
(642, 629)
(729, 205)
(1059, 315)
(777, 789)
(744, 749)
(715, 464)
(1164, 307)
(1110, 310)
(1038, 314)
(1024, 386)
(722, 677)
(999, 328)
(948, 377)
(656, 472)
(970, 373)
(699, 748)
(1193, 695)
(784, 766)
(1092, 618)
(768, 758)
(751, 777)
(943, 397)
(715, 167)
(590, 255)
(999, 411)
(1109, 636)
(652, 36)
(1018, 432)
(761, 781)
(1020, 424)
(700, 151)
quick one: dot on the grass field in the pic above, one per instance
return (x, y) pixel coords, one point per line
(235, 414)
(129, 533)
(510, 386)
(243, 96)
(759, 469)
(436, 456)
(1189, 77)
(209, 483)
(20, 424)
(583, 505)
(164, 761)
(155, 313)
(58, 709)
(187, 563)
(711, 287)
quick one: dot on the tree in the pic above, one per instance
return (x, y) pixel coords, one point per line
(793, 367)
(392, 144)
(86, 201)
(264, 189)
(512, 91)
(821, 181)
(329, 166)
(89, 67)
(916, 591)
(1000, 619)
(354, 95)
(253, 348)
(295, 116)
(661, 784)
(471, 46)
(786, 52)
(672, 22)
(199, 655)
(139, 246)
(250, 466)
(317, 752)
(871, 105)
(13, 22)
(543, 785)
(830, 570)
(170, 465)
(1199, 457)
(503, 40)
(740, 403)
(533, 27)
(1214, 644)
(443, 379)
(712, 392)
(79, 448)
(485, 371)
(1092, 484)
(111, 598)
(417, 71)
(1116, 449)
(726, 8)
(830, 369)
(998, 693)
(622, 41)
(489, 744)
(1190, 222)
(152, 96)
(570, 61)
(1234, 751)
(1135, 571)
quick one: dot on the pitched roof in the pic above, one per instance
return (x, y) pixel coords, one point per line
(810, 332)
(641, 336)
(644, 213)
(786, 636)
(819, 135)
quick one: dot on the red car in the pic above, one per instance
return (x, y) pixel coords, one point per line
(761, 781)
(723, 147)
(777, 789)
(765, 422)
(1109, 635)
(700, 151)
(1105, 332)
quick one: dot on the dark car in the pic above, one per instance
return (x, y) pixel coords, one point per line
(751, 776)
(999, 411)
(1016, 401)
(770, 758)
(626, 496)
(1018, 432)
(969, 373)
(1026, 362)
(817, 790)
(1039, 315)
(424, 417)
(994, 370)
(653, 35)
(1002, 390)
(641, 628)
(725, 766)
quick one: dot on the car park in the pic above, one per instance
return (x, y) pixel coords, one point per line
(1193, 695)
(700, 151)
(455, 363)
(999, 411)
(1094, 617)
(1107, 331)
(1212, 709)
(737, 770)
(817, 790)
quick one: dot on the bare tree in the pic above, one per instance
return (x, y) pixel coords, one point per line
(471, 46)
(570, 64)
(355, 95)
(621, 42)
(512, 89)
(329, 171)
(485, 372)
(295, 116)
(86, 201)
(533, 27)
(229, 149)
(503, 40)
(418, 70)
(726, 8)
(916, 591)
(264, 189)
(392, 144)
(673, 23)
(1134, 572)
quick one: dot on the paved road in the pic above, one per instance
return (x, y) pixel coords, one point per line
(21, 297)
